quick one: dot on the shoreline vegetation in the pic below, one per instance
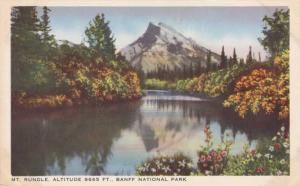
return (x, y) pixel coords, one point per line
(47, 73)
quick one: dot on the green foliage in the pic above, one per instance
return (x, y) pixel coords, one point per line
(276, 32)
(100, 39)
(46, 37)
(234, 57)
(212, 84)
(217, 82)
(156, 84)
(208, 61)
(223, 62)
(181, 85)
(249, 59)
(29, 70)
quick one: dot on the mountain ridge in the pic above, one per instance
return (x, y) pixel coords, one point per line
(161, 44)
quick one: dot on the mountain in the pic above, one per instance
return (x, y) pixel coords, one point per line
(163, 45)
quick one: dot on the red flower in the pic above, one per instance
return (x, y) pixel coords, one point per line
(286, 134)
(259, 170)
(213, 153)
(224, 153)
(277, 146)
(202, 158)
(219, 158)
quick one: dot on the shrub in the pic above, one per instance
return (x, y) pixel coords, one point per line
(217, 82)
(166, 165)
(264, 90)
(181, 85)
(156, 84)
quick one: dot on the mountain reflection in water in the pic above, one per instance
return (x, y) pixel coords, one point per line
(114, 139)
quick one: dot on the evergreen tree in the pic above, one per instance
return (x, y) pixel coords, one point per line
(234, 57)
(24, 19)
(276, 32)
(249, 56)
(46, 37)
(28, 70)
(100, 38)
(230, 62)
(208, 61)
(223, 63)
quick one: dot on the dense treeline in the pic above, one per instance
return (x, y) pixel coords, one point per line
(47, 72)
(197, 67)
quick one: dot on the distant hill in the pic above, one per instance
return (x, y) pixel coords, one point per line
(163, 45)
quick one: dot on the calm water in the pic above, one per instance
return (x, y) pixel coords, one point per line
(114, 139)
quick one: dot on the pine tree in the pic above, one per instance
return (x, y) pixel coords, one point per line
(47, 39)
(249, 56)
(45, 27)
(28, 72)
(234, 59)
(24, 19)
(223, 62)
(230, 62)
(208, 61)
(100, 38)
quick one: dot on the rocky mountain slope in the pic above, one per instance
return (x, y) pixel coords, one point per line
(163, 45)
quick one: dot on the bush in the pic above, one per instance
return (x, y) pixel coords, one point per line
(264, 90)
(156, 84)
(181, 85)
(177, 165)
(218, 82)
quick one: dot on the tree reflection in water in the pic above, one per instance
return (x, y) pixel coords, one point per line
(113, 139)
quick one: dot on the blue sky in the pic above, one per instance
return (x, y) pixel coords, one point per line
(211, 27)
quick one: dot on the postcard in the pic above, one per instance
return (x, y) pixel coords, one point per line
(137, 93)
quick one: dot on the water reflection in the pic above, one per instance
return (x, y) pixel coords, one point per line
(113, 139)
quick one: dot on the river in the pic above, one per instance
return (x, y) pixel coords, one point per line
(113, 139)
